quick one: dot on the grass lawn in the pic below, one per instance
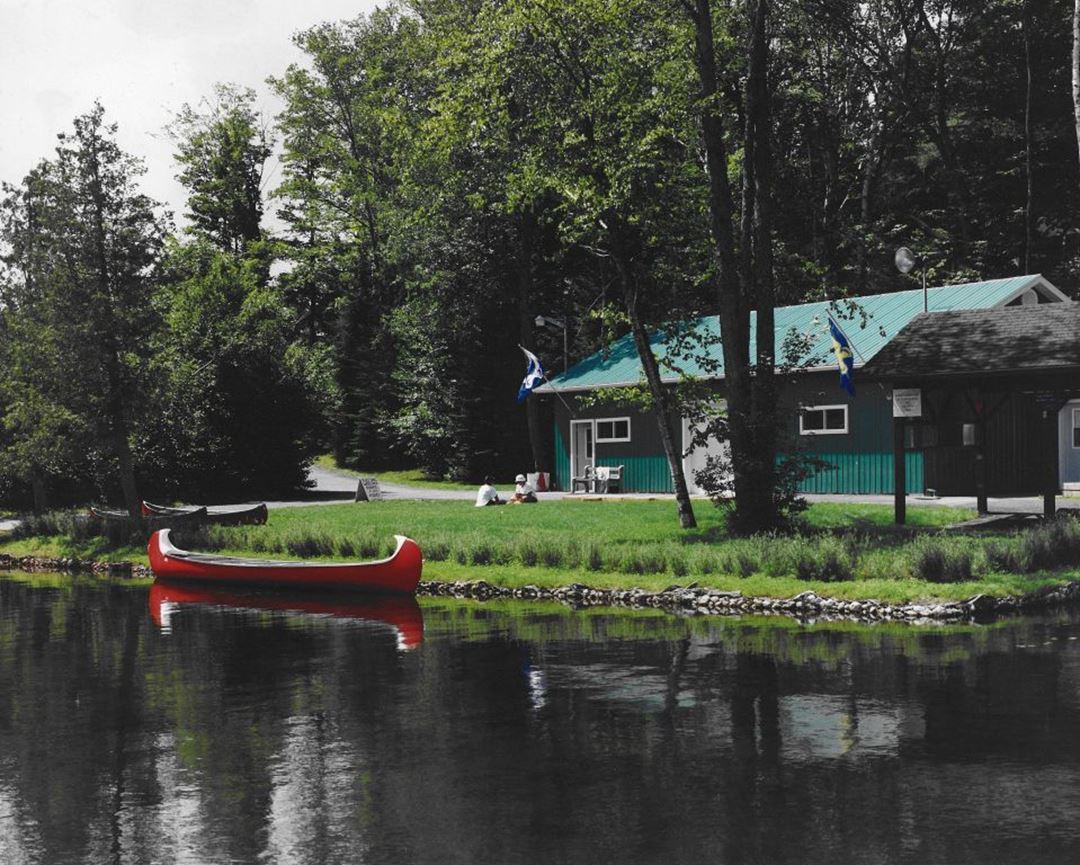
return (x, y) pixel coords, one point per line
(848, 551)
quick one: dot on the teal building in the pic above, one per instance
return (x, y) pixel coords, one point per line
(853, 435)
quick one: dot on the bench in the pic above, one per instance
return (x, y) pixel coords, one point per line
(601, 480)
(608, 479)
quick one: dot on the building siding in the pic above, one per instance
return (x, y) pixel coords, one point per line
(862, 458)
(861, 461)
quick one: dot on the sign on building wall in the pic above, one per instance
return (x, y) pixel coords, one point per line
(907, 402)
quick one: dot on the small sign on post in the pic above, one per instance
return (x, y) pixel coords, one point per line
(367, 490)
(907, 402)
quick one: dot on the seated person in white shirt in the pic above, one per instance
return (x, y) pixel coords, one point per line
(488, 495)
(523, 491)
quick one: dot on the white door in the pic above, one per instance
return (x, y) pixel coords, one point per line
(695, 460)
(581, 446)
(1069, 442)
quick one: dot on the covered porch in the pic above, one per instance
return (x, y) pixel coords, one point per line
(992, 397)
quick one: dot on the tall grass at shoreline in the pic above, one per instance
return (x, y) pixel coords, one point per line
(630, 542)
(634, 539)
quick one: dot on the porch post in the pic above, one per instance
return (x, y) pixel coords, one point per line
(899, 472)
(982, 504)
(1050, 470)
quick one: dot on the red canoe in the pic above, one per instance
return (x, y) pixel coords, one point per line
(401, 612)
(399, 573)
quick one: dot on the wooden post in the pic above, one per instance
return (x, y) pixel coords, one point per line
(982, 504)
(1050, 472)
(899, 472)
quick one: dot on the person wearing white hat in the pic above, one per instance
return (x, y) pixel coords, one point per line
(523, 491)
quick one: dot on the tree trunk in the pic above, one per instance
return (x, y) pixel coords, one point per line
(1076, 70)
(866, 201)
(40, 492)
(941, 135)
(758, 512)
(733, 311)
(663, 422)
(750, 399)
(660, 394)
(1029, 191)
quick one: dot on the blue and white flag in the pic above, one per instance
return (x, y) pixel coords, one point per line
(534, 374)
(842, 349)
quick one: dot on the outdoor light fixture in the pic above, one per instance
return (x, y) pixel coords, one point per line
(906, 261)
(542, 320)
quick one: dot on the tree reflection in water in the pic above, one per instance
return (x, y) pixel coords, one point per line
(245, 729)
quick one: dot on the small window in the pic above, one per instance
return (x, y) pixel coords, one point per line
(823, 420)
(616, 429)
(967, 435)
(1076, 428)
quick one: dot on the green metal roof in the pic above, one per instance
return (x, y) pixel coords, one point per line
(885, 315)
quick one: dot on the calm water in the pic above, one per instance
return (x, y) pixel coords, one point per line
(162, 727)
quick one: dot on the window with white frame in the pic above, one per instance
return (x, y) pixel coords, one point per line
(612, 429)
(1076, 427)
(815, 420)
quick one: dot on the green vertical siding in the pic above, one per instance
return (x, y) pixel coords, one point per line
(561, 481)
(642, 474)
(862, 457)
(864, 473)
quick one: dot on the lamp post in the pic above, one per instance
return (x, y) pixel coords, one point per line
(542, 320)
(906, 260)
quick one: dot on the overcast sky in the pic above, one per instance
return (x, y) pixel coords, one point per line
(143, 59)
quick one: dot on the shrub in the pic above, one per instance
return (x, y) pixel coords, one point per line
(630, 563)
(551, 555)
(197, 538)
(481, 554)
(829, 560)
(938, 560)
(528, 553)
(369, 547)
(309, 546)
(678, 564)
(740, 560)
(1005, 556)
(1051, 544)
(437, 551)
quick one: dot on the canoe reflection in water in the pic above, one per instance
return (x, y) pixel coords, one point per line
(400, 612)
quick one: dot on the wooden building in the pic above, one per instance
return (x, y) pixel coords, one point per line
(996, 397)
(853, 435)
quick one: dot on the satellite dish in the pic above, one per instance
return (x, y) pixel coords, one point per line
(905, 260)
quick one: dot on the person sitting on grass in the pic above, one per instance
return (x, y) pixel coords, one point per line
(523, 491)
(488, 495)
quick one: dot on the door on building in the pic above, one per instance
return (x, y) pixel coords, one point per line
(1069, 441)
(696, 459)
(581, 446)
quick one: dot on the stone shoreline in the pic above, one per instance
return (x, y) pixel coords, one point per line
(806, 605)
(690, 599)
